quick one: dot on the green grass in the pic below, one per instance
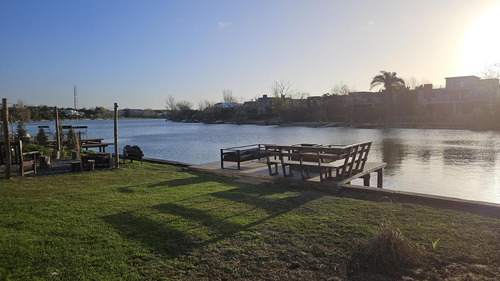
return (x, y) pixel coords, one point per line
(158, 222)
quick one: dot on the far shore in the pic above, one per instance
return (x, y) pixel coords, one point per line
(319, 124)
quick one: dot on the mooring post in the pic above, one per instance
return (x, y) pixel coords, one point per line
(6, 139)
(116, 136)
(58, 133)
(366, 180)
(380, 178)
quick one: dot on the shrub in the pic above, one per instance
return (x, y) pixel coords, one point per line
(37, 147)
(41, 138)
(71, 140)
(21, 133)
(391, 249)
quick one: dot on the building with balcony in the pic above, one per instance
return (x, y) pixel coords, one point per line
(461, 96)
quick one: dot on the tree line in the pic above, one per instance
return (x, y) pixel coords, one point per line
(395, 103)
(27, 113)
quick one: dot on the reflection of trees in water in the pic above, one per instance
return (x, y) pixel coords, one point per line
(486, 156)
(393, 153)
(424, 154)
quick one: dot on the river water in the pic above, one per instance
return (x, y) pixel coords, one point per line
(452, 163)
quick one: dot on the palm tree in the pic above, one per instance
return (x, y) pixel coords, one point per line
(389, 80)
(391, 83)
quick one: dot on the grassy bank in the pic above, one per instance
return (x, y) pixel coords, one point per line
(158, 222)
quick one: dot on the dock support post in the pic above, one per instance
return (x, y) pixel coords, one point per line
(238, 152)
(6, 138)
(366, 180)
(221, 159)
(380, 178)
(117, 157)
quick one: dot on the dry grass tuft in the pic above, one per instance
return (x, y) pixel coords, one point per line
(390, 249)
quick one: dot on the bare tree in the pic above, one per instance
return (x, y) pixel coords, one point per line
(20, 112)
(491, 71)
(227, 96)
(340, 89)
(299, 94)
(414, 83)
(184, 105)
(281, 89)
(204, 104)
(171, 104)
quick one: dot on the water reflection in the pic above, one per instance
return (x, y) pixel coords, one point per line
(424, 154)
(469, 156)
(393, 152)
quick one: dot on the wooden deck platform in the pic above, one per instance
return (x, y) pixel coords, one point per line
(258, 170)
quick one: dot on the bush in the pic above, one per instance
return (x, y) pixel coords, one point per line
(41, 138)
(37, 147)
(391, 249)
(21, 133)
(71, 140)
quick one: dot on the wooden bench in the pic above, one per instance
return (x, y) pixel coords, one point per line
(242, 153)
(344, 160)
(23, 159)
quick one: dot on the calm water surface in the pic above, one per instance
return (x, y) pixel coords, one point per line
(453, 163)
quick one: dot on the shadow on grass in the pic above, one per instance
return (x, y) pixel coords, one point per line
(169, 183)
(125, 189)
(162, 238)
(171, 239)
(194, 179)
(257, 197)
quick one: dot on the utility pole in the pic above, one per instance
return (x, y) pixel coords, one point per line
(75, 97)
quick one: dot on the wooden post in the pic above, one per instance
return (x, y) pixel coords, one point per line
(58, 137)
(117, 158)
(79, 149)
(380, 178)
(366, 180)
(21, 159)
(90, 165)
(6, 140)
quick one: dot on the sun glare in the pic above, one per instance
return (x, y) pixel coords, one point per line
(481, 44)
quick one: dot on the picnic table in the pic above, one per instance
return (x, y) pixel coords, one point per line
(87, 143)
(345, 161)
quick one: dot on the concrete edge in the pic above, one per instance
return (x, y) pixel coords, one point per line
(167, 162)
(486, 209)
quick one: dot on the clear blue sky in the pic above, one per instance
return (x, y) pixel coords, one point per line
(137, 53)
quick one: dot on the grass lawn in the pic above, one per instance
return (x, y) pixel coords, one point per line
(158, 222)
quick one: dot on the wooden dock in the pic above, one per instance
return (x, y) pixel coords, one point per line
(257, 169)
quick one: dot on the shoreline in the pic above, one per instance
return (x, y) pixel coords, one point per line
(319, 124)
(387, 125)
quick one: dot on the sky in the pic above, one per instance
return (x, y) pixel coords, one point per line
(137, 53)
